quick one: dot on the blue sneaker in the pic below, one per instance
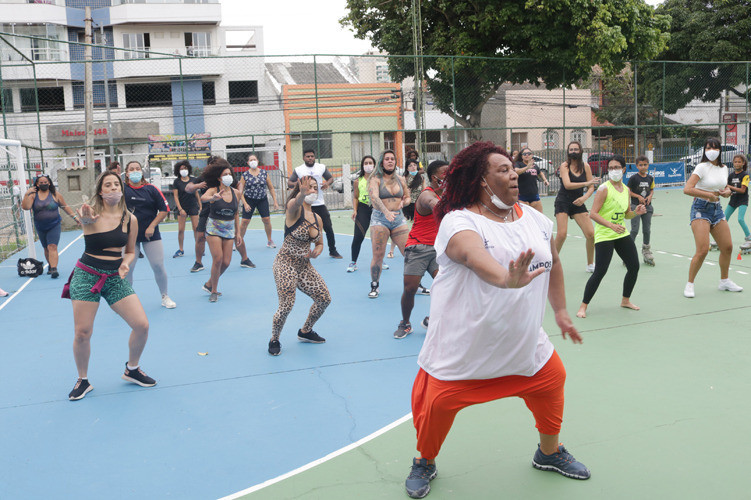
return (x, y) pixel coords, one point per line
(561, 462)
(179, 253)
(418, 481)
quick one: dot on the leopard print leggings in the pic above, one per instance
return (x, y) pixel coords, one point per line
(290, 273)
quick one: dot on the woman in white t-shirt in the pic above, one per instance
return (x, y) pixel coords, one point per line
(707, 183)
(497, 265)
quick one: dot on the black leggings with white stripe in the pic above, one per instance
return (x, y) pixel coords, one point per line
(626, 250)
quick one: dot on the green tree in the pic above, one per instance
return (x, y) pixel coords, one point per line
(700, 31)
(550, 42)
(617, 99)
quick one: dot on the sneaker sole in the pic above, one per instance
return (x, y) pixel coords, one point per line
(275, 353)
(301, 339)
(88, 390)
(552, 468)
(729, 290)
(125, 377)
(421, 493)
(424, 325)
(402, 336)
(172, 306)
(196, 270)
(247, 266)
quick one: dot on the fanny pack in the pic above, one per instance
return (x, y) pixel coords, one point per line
(97, 288)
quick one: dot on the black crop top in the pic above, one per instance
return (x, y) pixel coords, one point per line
(96, 243)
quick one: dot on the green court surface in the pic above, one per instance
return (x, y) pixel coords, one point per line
(655, 399)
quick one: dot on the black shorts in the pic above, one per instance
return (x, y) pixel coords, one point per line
(202, 220)
(262, 204)
(190, 211)
(568, 207)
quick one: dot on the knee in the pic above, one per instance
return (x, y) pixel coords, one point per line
(726, 248)
(141, 326)
(410, 289)
(324, 300)
(82, 334)
(52, 248)
(702, 251)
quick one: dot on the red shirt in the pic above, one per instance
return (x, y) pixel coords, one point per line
(424, 229)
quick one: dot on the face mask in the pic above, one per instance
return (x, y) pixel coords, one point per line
(44, 187)
(495, 200)
(711, 154)
(413, 173)
(388, 172)
(311, 198)
(112, 198)
(253, 164)
(615, 175)
(368, 168)
(575, 156)
(183, 173)
(441, 183)
(135, 176)
(227, 180)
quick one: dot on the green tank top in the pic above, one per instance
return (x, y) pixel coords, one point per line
(362, 191)
(614, 210)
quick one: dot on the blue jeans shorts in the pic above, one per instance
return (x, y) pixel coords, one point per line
(378, 219)
(710, 211)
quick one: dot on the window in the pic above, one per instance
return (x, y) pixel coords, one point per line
(100, 99)
(198, 44)
(320, 143)
(209, 97)
(389, 140)
(6, 104)
(551, 140)
(50, 99)
(519, 140)
(580, 136)
(148, 95)
(244, 92)
(433, 141)
(138, 41)
(364, 144)
(43, 48)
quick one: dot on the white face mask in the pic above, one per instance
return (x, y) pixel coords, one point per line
(253, 164)
(495, 200)
(227, 180)
(615, 175)
(368, 167)
(311, 198)
(183, 173)
(711, 154)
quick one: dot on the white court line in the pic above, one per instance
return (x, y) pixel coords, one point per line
(741, 272)
(676, 255)
(314, 463)
(7, 301)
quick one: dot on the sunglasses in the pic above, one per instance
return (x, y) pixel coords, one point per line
(527, 154)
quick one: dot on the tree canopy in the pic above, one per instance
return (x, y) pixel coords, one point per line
(717, 31)
(550, 42)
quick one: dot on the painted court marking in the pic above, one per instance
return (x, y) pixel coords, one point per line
(319, 461)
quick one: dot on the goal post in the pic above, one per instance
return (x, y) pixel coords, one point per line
(14, 150)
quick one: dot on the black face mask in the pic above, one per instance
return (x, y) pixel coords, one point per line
(388, 172)
(44, 187)
(575, 156)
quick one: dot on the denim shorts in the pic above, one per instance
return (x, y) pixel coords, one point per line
(378, 219)
(529, 198)
(707, 210)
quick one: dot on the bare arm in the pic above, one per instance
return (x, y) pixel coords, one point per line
(28, 198)
(129, 253)
(175, 193)
(375, 199)
(406, 196)
(691, 190)
(467, 248)
(591, 181)
(273, 193)
(65, 207)
(426, 202)
(557, 298)
(208, 196)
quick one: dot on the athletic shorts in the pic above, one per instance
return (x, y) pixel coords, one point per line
(568, 207)
(202, 220)
(114, 290)
(190, 211)
(262, 204)
(378, 219)
(51, 237)
(418, 259)
(707, 210)
(529, 198)
(225, 229)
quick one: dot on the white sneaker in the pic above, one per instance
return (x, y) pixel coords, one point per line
(729, 286)
(590, 268)
(689, 291)
(168, 302)
(352, 267)
(384, 266)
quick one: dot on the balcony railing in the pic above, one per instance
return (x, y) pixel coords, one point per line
(47, 2)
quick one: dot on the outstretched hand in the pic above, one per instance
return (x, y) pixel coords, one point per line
(304, 184)
(518, 271)
(86, 214)
(563, 320)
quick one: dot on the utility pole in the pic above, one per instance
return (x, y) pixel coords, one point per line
(419, 72)
(88, 93)
(103, 41)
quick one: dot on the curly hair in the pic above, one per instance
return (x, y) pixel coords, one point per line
(179, 165)
(462, 182)
(213, 172)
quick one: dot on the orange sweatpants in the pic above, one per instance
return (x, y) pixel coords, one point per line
(435, 402)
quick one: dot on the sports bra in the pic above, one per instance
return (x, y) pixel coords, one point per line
(224, 210)
(96, 243)
(384, 193)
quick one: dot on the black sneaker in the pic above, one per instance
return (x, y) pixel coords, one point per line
(49, 270)
(418, 481)
(275, 347)
(247, 263)
(196, 267)
(335, 255)
(404, 329)
(311, 337)
(373, 293)
(140, 254)
(81, 388)
(54, 274)
(425, 322)
(138, 376)
(561, 462)
(421, 290)
(206, 288)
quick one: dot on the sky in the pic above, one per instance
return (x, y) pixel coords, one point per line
(300, 26)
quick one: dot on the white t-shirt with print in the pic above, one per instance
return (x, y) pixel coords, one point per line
(711, 177)
(479, 331)
(316, 171)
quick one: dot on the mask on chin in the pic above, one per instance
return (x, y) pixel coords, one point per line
(495, 200)
(389, 172)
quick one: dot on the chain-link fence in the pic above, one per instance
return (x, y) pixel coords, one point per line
(161, 97)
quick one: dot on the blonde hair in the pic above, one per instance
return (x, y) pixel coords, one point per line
(98, 204)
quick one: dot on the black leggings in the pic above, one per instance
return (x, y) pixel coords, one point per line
(323, 213)
(362, 223)
(603, 254)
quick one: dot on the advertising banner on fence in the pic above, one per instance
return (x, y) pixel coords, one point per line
(665, 174)
(174, 147)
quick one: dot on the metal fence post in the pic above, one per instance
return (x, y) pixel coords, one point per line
(318, 124)
(636, 112)
(453, 98)
(185, 119)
